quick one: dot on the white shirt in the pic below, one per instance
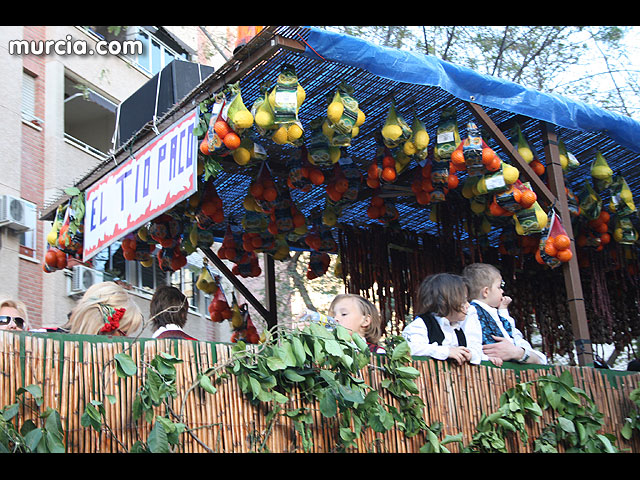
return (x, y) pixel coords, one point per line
(417, 336)
(169, 326)
(518, 339)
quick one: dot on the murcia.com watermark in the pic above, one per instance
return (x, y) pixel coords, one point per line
(69, 46)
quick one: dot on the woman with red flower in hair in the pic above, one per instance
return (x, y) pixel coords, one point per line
(105, 309)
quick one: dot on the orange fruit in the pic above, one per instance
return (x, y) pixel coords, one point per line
(373, 170)
(488, 155)
(561, 242)
(231, 140)
(333, 194)
(426, 171)
(604, 216)
(389, 174)
(388, 161)
(221, 128)
(493, 165)
(377, 201)
(605, 238)
(539, 257)
(341, 185)
(427, 185)
(50, 258)
(497, 210)
(423, 198)
(528, 198)
(602, 228)
(537, 167)
(373, 182)
(204, 147)
(564, 255)
(316, 176)
(550, 249)
(581, 240)
(270, 194)
(517, 194)
(457, 157)
(256, 190)
(373, 212)
(452, 181)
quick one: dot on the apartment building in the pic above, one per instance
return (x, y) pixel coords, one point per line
(59, 108)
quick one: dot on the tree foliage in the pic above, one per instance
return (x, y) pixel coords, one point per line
(592, 64)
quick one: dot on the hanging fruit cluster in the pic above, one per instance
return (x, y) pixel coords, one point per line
(243, 328)
(219, 309)
(555, 244)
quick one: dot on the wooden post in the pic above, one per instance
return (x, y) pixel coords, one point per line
(270, 290)
(570, 269)
(267, 314)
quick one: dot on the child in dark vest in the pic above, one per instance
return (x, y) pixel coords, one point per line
(500, 337)
(439, 330)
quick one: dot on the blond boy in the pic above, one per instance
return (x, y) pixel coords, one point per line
(488, 305)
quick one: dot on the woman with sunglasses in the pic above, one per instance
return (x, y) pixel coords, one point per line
(13, 315)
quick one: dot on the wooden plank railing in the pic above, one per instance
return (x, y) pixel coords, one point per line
(72, 372)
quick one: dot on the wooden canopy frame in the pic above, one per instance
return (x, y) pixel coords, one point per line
(266, 44)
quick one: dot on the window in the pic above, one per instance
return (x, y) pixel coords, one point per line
(155, 54)
(29, 98)
(89, 117)
(185, 281)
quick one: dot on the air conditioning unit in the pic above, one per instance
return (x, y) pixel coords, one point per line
(82, 278)
(16, 213)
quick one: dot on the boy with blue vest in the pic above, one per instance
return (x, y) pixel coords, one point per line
(488, 306)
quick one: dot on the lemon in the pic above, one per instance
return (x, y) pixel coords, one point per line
(334, 111)
(564, 161)
(409, 148)
(361, 118)
(510, 173)
(481, 186)
(485, 226)
(193, 236)
(143, 233)
(300, 95)
(147, 263)
(601, 172)
(249, 203)
(541, 217)
(294, 132)
(242, 119)
(242, 156)
(52, 237)
(301, 230)
(355, 131)
(421, 139)
(280, 136)
(477, 207)
(327, 131)
(334, 154)
(264, 119)
(617, 234)
(281, 253)
(391, 132)
(329, 218)
(526, 154)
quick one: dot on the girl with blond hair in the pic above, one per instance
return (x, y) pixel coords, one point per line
(105, 309)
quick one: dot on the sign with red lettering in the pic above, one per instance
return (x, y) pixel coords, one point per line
(160, 175)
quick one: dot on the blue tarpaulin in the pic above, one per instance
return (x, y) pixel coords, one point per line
(468, 85)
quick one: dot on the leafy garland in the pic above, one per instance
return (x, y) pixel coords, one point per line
(323, 369)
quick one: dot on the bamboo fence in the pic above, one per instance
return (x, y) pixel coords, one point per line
(74, 372)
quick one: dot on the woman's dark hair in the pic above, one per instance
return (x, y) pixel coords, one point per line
(441, 293)
(168, 305)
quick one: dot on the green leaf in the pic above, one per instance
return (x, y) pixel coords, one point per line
(328, 405)
(10, 411)
(205, 383)
(293, 376)
(32, 439)
(34, 390)
(125, 366)
(409, 372)
(298, 350)
(566, 425)
(276, 363)
(333, 348)
(158, 441)
(401, 352)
